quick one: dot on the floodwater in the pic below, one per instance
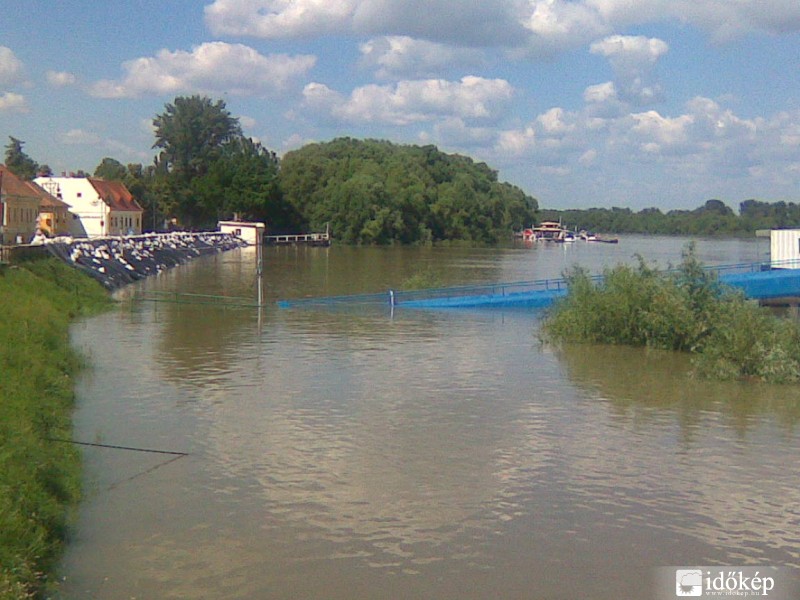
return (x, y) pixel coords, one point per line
(359, 454)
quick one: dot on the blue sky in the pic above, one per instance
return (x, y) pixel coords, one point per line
(634, 103)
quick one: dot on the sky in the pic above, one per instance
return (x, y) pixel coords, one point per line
(581, 103)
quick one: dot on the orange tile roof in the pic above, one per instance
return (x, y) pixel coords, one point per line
(11, 185)
(115, 194)
(14, 186)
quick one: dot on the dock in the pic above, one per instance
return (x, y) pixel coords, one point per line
(303, 239)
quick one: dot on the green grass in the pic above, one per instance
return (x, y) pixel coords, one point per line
(39, 479)
(688, 310)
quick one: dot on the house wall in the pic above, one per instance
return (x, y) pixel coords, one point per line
(90, 212)
(19, 220)
(124, 223)
(54, 221)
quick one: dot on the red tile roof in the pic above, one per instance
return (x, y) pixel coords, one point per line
(115, 194)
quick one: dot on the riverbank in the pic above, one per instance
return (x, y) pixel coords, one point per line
(118, 261)
(40, 480)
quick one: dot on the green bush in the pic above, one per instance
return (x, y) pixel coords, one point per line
(686, 310)
(39, 479)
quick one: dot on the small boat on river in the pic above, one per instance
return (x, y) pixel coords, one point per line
(588, 236)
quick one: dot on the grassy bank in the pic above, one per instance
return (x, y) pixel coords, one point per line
(688, 310)
(39, 479)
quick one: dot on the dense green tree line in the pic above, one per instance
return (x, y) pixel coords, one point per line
(367, 191)
(713, 218)
(377, 192)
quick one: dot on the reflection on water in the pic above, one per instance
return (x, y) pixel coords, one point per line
(358, 454)
(729, 441)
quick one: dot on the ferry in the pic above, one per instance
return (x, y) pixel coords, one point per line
(548, 231)
(553, 231)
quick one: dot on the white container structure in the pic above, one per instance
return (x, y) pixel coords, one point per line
(250, 232)
(784, 248)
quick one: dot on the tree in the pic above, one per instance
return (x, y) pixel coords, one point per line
(111, 170)
(191, 133)
(18, 162)
(243, 181)
(377, 192)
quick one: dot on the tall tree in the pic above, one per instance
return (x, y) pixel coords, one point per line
(111, 170)
(191, 133)
(243, 181)
(18, 162)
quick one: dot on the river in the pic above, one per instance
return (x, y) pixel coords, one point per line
(359, 454)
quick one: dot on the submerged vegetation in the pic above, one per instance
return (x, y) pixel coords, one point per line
(687, 310)
(39, 478)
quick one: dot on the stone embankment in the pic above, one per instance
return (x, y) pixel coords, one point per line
(116, 261)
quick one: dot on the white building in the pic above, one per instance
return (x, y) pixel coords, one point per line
(784, 248)
(99, 207)
(250, 232)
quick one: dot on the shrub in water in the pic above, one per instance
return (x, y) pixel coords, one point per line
(687, 310)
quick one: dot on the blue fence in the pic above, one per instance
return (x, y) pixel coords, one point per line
(535, 293)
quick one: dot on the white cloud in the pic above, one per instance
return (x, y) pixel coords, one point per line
(516, 142)
(453, 131)
(60, 78)
(402, 56)
(632, 58)
(555, 25)
(295, 141)
(11, 102)
(627, 52)
(487, 23)
(10, 67)
(247, 122)
(414, 101)
(722, 18)
(602, 92)
(552, 122)
(79, 137)
(657, 129)
(279, 18)
(588, 157)
(557, 171)
(214, 67)
(525, 26)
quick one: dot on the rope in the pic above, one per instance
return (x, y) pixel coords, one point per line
(116, 447)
